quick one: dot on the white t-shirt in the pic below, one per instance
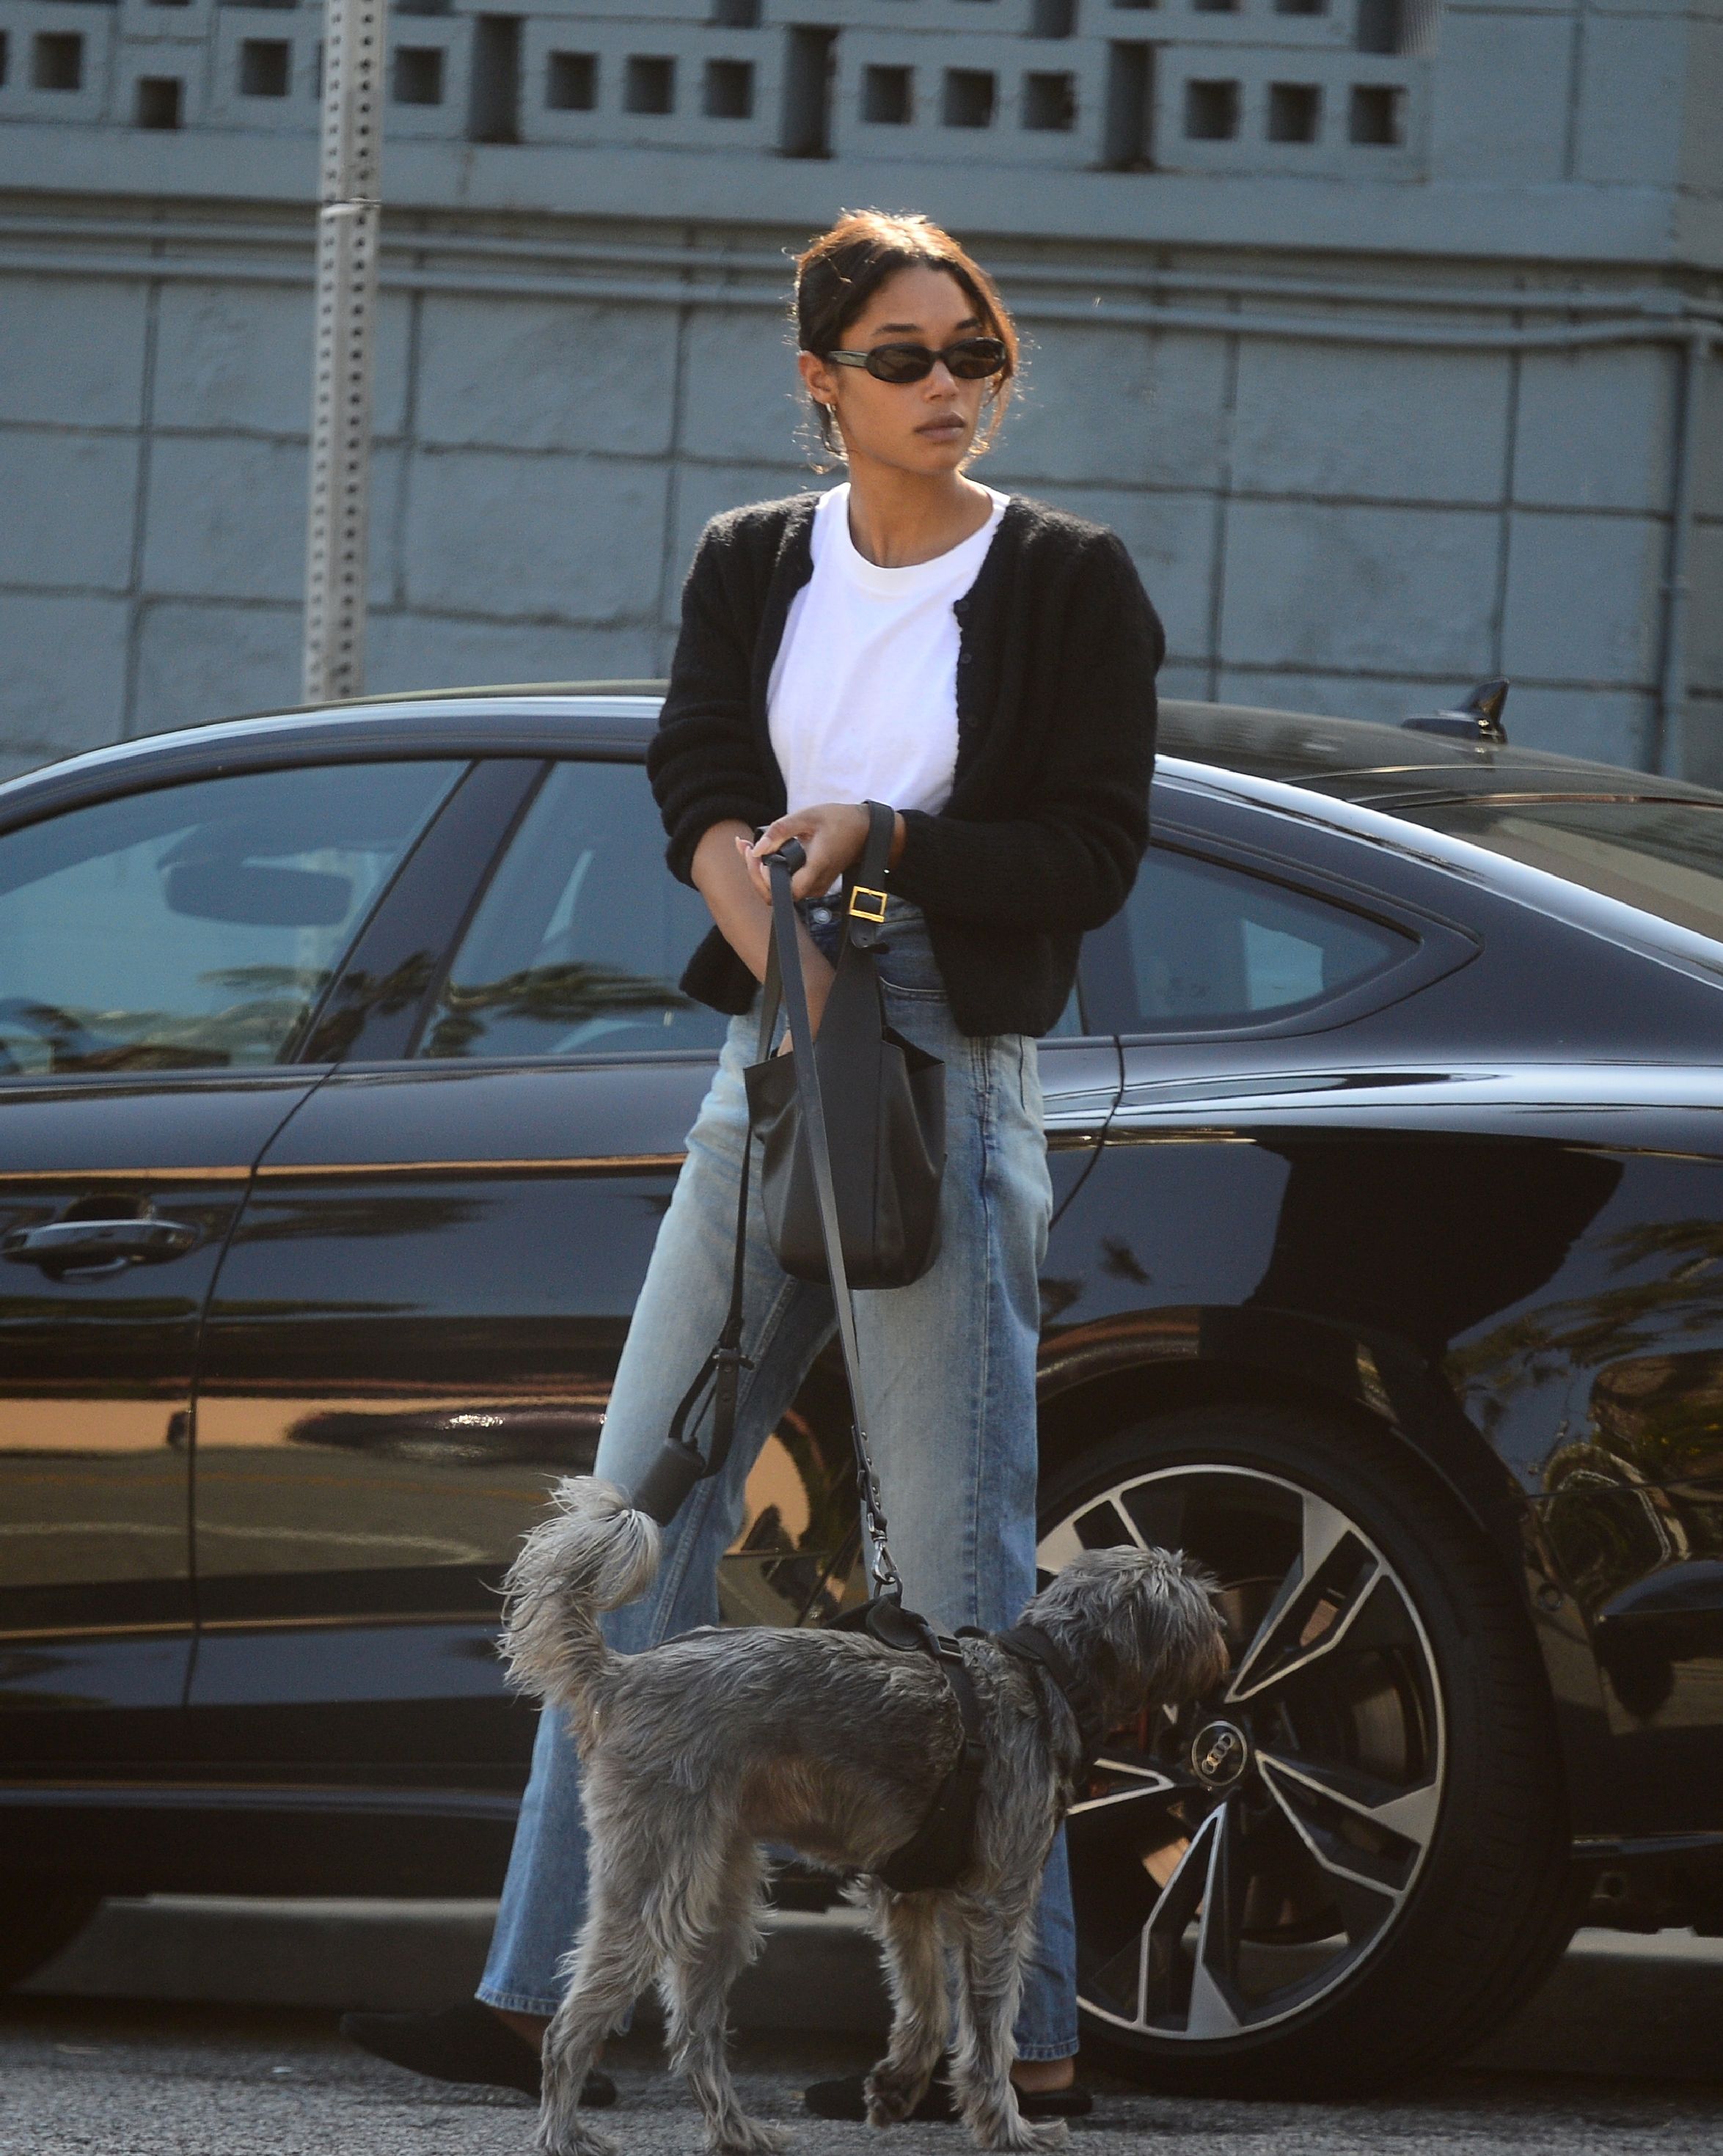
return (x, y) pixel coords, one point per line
(863, 699)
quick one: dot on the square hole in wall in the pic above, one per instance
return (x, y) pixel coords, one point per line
(969, 97)
(417, 78)
(1210, 111)
(1301, 7)
(1049, 100)
(1376, 114)
(57, 60)
(160, 100)
(265, 67)
(736, 14)
(3, 55)
(649, 84)
(170, 3)
(1215, 7)
(1382, 26)
(571, 82)
(1053, 18)
(887, 97)
(1294, 111)
(729, 89)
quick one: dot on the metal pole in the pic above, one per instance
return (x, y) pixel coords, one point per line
(336, 528)
(1668, 744)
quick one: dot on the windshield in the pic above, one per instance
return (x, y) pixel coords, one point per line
(1665, 857)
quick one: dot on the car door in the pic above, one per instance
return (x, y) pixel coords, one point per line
(1223, 971)
(160, 952)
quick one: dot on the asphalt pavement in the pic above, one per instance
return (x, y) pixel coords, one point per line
(81, 2079)
(1621, 2052)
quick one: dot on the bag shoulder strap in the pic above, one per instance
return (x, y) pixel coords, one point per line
(864, 887)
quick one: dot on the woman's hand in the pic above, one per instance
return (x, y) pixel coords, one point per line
(725, 878)
(832, 834)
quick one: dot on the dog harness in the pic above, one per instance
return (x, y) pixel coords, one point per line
(943, 1847)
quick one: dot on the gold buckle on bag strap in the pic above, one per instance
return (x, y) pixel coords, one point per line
(874, 909)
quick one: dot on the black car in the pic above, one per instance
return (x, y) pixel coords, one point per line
(343, 1083)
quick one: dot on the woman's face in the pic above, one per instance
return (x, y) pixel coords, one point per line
(922, 427)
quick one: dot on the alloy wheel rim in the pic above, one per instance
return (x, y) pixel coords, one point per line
(1233, 1866)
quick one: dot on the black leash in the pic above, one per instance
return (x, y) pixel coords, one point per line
(784, 974)
(681, 1464)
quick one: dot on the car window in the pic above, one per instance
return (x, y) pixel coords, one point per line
(1665, 857)
(194, 927)
(578, 944)
(1212, 945)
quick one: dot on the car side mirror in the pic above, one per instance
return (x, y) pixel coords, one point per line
(230, 890)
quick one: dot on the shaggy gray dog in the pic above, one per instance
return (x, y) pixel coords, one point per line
(700, 1750)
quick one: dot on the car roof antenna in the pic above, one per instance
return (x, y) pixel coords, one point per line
(1478, 720)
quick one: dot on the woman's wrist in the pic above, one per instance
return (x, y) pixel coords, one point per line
(900, 834)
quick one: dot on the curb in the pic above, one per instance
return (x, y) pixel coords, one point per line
(819, 1973)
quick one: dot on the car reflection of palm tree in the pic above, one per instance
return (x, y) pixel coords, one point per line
(1632, 1495)
(566, 995)
(365, 996)
(273, 1000)
(1618, 1331)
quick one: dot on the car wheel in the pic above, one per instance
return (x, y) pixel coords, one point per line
(1350, 1861)
(34, 1928)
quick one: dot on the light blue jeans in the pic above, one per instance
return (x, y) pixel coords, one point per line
(949, 1368)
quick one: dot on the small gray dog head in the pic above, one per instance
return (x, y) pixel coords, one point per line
(1141, 1621)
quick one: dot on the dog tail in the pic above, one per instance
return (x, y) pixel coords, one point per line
(594, 1553)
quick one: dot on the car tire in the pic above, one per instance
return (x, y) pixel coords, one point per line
(34, 1927)
(1352, 1862)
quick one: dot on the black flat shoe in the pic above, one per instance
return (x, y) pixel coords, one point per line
(847, 2098)
(465, 2043)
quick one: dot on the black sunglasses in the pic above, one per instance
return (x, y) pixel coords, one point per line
(970, 359)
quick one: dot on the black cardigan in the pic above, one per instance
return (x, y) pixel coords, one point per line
(1049, 809)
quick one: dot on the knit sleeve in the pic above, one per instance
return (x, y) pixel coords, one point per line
(702, 760)
(1070, 862)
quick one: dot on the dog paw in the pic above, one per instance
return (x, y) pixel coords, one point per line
(578, 2141)
(751, 2137)
(1014, 2132)
(892, 2097)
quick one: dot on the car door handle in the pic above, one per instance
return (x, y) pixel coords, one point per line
(105, 1243)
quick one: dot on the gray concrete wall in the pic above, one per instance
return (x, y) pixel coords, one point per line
(1372, 429)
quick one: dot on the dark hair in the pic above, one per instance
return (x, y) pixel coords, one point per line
(839, 273)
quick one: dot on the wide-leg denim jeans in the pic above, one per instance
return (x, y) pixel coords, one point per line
(949, 1371)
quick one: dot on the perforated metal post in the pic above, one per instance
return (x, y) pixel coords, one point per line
(338, 523)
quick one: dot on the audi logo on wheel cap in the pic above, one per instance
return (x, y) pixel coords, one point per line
(1219, 1753)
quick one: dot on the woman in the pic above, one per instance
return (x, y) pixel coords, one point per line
(986, 666)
